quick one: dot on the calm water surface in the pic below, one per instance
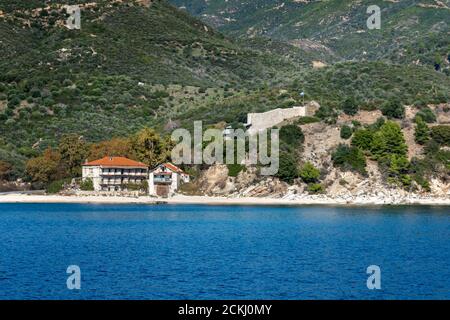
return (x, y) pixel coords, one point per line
(219, 252)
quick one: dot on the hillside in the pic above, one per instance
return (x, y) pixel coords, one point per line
(154, 43)
(357, 177)
(368, 85)
(133, 63)
(137, 64)
(412, 31)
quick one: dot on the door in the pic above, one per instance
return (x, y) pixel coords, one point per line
(162, 190)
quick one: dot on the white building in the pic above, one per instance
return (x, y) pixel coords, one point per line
(165, 179)
(114, 173)
(257, 122)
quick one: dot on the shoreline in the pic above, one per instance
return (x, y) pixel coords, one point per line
(244, 201)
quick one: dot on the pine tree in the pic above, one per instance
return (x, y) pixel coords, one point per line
(389, 140)
(422, 133)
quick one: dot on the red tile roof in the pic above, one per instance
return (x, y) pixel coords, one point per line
(116, 162)
(173, 167)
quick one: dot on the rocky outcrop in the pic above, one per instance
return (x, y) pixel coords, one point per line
(342, 186)
(269, 187)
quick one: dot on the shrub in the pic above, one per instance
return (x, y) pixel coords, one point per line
(35, 93)
(350, 106)
(309, 173)
(327, 114)
(398, 170)
(346, 132)
(315, 188)
(422, 133)
(363, 139)
(87, 185)
(234, 169)
(420, 168)
(350, 159)
(306, 120)
(427, 115)
(441, 134)
(55, 186)
(288, 167)
(356, 123)
(292, 135)
(14, 102)
(389, 140)
(393, 109)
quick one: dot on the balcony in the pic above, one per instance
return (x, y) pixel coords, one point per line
(124, 173)
(121, 181)
(162, 180)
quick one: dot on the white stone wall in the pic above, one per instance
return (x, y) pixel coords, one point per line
(266, 120)
(174, 186)
(151, 185)
(93, 173)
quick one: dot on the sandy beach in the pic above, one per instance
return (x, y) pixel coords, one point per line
(205, 200)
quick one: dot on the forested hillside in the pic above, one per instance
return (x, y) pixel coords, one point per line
(412, 31)
(140, 63)
(132, 64)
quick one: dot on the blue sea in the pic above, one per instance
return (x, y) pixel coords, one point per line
(223, 252)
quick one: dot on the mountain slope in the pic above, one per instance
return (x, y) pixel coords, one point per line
(411, 30)
(142, 63)
(132, 64)
(158, 44)
(369, 84)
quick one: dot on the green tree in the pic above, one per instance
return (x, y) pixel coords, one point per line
(288, 167)
(422, 132)
(56, 186)
(427, 115)
(87, 185)
(315, 188)
(350, 106)
(74, 151)
(327, 114)
(363, 139)
(346, 132)
(389, 140)
(393, 108)
(309, 173)
(349, 159)
(398, 170)
(148, 147)
(441, 134)
(292, 135)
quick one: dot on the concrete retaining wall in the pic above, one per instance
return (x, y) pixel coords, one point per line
(266, 120)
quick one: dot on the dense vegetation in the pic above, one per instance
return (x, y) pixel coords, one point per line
(411, 31)
(55, 166)
(129, 66)
(67, 95)
(384, 142)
